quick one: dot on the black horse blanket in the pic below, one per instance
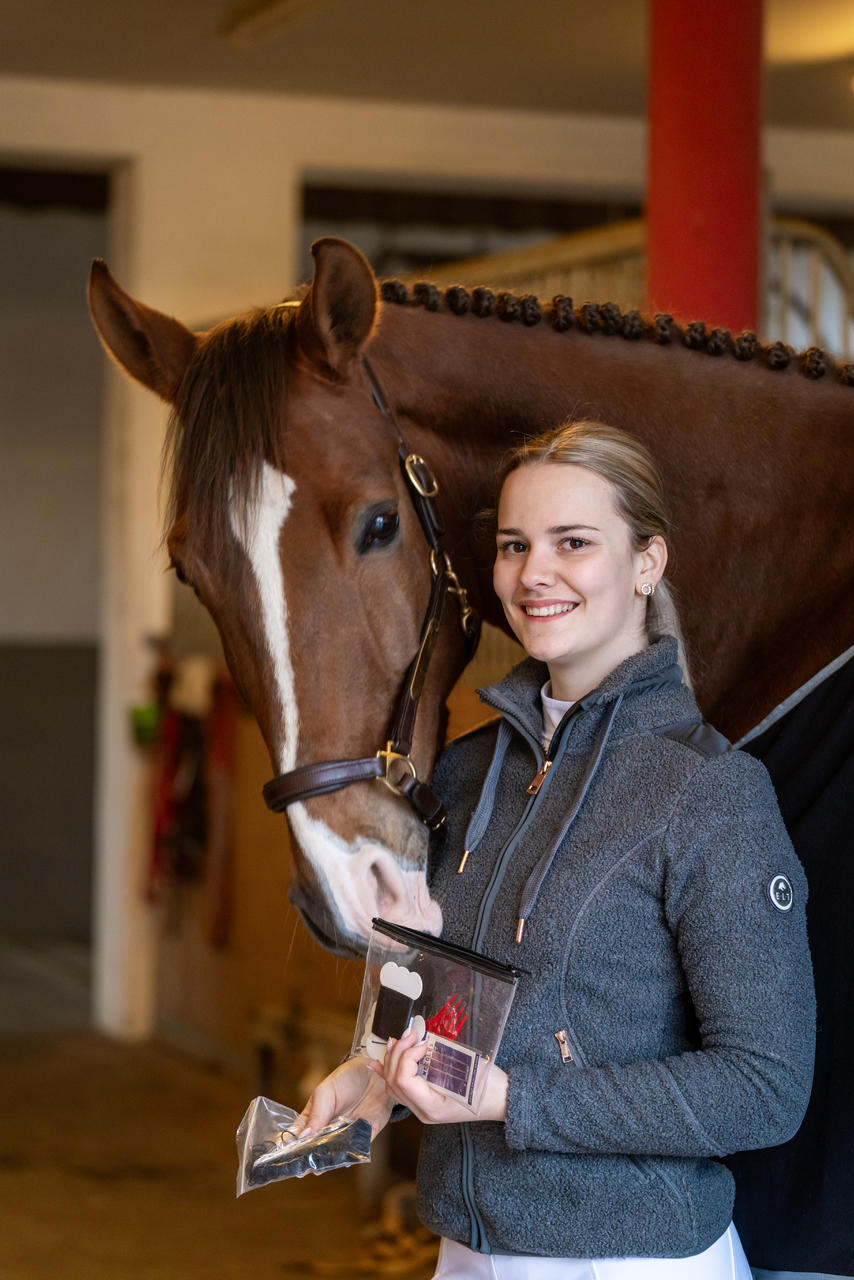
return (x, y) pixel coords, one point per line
(795, 1203)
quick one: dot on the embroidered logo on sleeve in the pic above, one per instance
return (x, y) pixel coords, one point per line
(780, 892)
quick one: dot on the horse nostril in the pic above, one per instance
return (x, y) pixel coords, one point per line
(388, 894)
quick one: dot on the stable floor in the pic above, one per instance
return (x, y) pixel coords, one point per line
(118, 1162)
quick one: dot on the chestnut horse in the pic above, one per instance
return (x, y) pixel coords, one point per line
(290, 516)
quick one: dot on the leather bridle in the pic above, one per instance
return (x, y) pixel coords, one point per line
(393, 764)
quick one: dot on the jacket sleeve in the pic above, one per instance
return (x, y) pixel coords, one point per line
(741, 937)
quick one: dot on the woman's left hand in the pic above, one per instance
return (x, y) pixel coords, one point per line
(400, 1071)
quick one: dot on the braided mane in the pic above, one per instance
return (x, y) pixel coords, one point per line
(607, 318)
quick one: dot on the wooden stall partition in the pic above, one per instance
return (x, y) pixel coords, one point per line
(240, 978)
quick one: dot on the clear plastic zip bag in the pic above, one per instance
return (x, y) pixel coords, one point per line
(454, 999)
(268, 1150)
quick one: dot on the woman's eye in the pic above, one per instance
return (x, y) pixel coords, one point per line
(575, 544)
(513, 548)
(380, 530)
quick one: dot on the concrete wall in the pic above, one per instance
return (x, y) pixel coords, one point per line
(206, 222)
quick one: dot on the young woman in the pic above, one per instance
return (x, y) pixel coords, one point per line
(606, 841)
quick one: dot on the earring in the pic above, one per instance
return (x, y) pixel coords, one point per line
(648, 589)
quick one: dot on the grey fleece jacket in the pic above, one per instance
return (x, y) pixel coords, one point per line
(665, 937)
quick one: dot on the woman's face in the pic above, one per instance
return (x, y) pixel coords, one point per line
(568, 576)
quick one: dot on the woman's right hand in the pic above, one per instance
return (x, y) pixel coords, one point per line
(352, 1090)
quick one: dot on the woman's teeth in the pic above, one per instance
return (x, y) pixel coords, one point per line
(547, 611)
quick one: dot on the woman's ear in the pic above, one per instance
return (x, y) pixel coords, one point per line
(653, 560)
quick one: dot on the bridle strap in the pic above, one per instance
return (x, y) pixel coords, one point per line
(332, 775)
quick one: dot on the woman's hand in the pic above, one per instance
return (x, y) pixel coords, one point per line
(351, 1090)
(400, 1072)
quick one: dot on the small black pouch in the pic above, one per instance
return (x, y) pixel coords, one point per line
(392, 1013)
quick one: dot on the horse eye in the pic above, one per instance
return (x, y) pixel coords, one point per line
(380, 530)
(181, 575)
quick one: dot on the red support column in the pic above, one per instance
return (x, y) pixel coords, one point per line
(704, 168)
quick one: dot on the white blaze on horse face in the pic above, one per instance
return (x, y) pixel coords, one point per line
(363, 878)
(259, 535)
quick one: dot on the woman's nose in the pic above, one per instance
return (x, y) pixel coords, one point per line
(538, 569)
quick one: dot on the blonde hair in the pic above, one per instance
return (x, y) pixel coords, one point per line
(638, 491)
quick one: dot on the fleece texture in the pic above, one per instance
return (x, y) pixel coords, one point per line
(662, 943)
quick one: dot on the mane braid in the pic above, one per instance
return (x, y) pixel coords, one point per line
(224, 425)
(606, 318)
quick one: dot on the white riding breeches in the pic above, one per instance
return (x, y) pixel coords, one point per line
(724, 1260)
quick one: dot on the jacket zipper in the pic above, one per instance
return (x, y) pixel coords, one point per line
(478, 1230)
(479, 1238)
(539, 777)
(533, 791)
(565, 1051)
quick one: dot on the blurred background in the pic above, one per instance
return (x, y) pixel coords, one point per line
(153, 977)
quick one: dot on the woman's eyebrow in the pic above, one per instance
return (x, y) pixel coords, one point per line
(571, 528)
(557, 528)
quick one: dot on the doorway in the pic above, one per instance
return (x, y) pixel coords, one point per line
(51, 225)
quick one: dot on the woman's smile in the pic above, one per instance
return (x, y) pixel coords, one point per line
(545, 609)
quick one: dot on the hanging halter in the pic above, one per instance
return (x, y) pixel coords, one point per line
(393, 764)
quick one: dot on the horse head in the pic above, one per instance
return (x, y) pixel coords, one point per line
(290, 519)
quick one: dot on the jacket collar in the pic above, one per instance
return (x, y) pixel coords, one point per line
(518, 694)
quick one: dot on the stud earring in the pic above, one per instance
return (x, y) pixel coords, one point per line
(648, 589)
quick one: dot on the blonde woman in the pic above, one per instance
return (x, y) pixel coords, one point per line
(605, 840)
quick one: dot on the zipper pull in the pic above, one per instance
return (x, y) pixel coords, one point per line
(565, 1052)
(539, 778)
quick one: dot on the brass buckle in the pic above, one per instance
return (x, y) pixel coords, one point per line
(467, 615)
(388, 757)
(415, 460)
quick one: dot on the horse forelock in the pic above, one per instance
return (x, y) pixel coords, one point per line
(226, 424)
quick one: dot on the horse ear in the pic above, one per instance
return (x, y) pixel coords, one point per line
(151, 347)
(338, 313)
